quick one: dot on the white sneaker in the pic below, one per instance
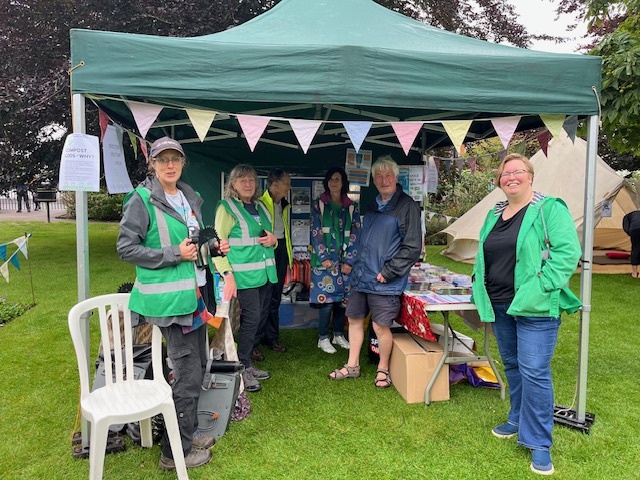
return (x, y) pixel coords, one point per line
(325, 345)
(340, 341)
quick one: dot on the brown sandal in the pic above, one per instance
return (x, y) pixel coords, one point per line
(352, 372)
(386, 380)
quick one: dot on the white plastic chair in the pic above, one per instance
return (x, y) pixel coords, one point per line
(123, 399)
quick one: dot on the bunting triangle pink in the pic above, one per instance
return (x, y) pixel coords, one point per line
(505, 127)
(305, 130)
(103, 118)
(406, 133)
(253, 127)
(144, 114)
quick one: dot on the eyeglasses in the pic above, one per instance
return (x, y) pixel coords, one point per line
(167, 160)
(516, 173)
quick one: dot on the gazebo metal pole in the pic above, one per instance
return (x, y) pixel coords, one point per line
(587, 259)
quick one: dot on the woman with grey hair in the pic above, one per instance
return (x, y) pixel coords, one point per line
(249, 269)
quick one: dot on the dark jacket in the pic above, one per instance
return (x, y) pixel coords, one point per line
(390, 243)
(631, 222)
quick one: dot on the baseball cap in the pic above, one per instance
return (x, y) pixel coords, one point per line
(165, 143)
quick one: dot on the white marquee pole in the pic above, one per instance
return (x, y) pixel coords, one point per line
(587, 259)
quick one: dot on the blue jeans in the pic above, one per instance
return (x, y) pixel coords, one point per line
(325, 318)
(526, 346)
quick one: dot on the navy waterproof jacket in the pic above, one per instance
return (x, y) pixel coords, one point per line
(390, 243)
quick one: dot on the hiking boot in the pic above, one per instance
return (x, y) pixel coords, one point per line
(541, 462)
(341, 341)
(195, 458)
(250, 382)
(258, 374)
(200, 440)
(325, 345)
(506, 430)
(257, 355)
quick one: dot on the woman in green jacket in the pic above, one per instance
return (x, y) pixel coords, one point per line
(528, 251)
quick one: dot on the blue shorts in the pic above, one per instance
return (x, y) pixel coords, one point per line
(384, 308)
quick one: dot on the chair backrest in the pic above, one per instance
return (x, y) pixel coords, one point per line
(118, 321)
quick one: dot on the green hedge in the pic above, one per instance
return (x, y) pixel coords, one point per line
(101, 205)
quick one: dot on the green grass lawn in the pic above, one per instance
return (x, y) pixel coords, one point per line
(302, 425)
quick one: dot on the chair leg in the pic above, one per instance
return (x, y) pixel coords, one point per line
(175, 440)
(146, 438)
(97, 447)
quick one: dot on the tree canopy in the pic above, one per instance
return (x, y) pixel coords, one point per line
(34, 34)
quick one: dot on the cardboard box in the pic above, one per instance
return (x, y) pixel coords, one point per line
(462, 345)
(413, 361)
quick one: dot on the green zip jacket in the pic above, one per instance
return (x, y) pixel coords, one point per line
(541, 288)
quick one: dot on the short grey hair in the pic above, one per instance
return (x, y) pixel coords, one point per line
(385, 162)
(240, 171)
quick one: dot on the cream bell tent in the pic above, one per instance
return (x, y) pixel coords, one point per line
(559, 173)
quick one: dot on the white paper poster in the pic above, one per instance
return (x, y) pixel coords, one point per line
(300, 232)
(80, 163)
(358, 166)
(300, 200)
(115, 168)
(606, 208)
(416, 179)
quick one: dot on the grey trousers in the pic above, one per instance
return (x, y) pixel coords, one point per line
(188, 355)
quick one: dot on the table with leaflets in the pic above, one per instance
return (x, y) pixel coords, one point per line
(435, 289)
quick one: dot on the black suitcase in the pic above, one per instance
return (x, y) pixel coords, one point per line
(220, 390)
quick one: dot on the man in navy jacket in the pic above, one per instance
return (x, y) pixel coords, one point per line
(390, 243)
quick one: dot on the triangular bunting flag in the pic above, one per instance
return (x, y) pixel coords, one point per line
(134, 143)
(447, 165)
(543, 140)
(570, 126)
(505, 127)
(201, 121)
(520, 148)
(406, 133)
(252, 127)
(4, 270)
(144, 114)
(459, 163)
(457, 131)
(553, 122)
(14, 259)
(3, 252)
(305, 130)
(357, 132)
(502, 154)
(22, 246)
(436, 160)
(103, 118)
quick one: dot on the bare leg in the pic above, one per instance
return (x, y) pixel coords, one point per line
(356, 338)
(634, 273)
(385, 343)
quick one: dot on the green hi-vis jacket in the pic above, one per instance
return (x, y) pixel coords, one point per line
(541, 288)
(286, 211)
(253, 264)
(170, 290)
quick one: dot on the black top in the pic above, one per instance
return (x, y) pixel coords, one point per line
(500, 258)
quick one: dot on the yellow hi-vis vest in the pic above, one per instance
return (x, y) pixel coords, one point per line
(253, 264)
(167, 291)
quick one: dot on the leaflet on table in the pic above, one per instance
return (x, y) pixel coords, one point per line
(437, 299)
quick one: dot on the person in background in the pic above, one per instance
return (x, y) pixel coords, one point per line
(335, 225)
(249, 269)
(275, 199)
(390, 243)
(527, 253)
(154, 236)
(33, 188)
(22, 192)
(631, 226)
